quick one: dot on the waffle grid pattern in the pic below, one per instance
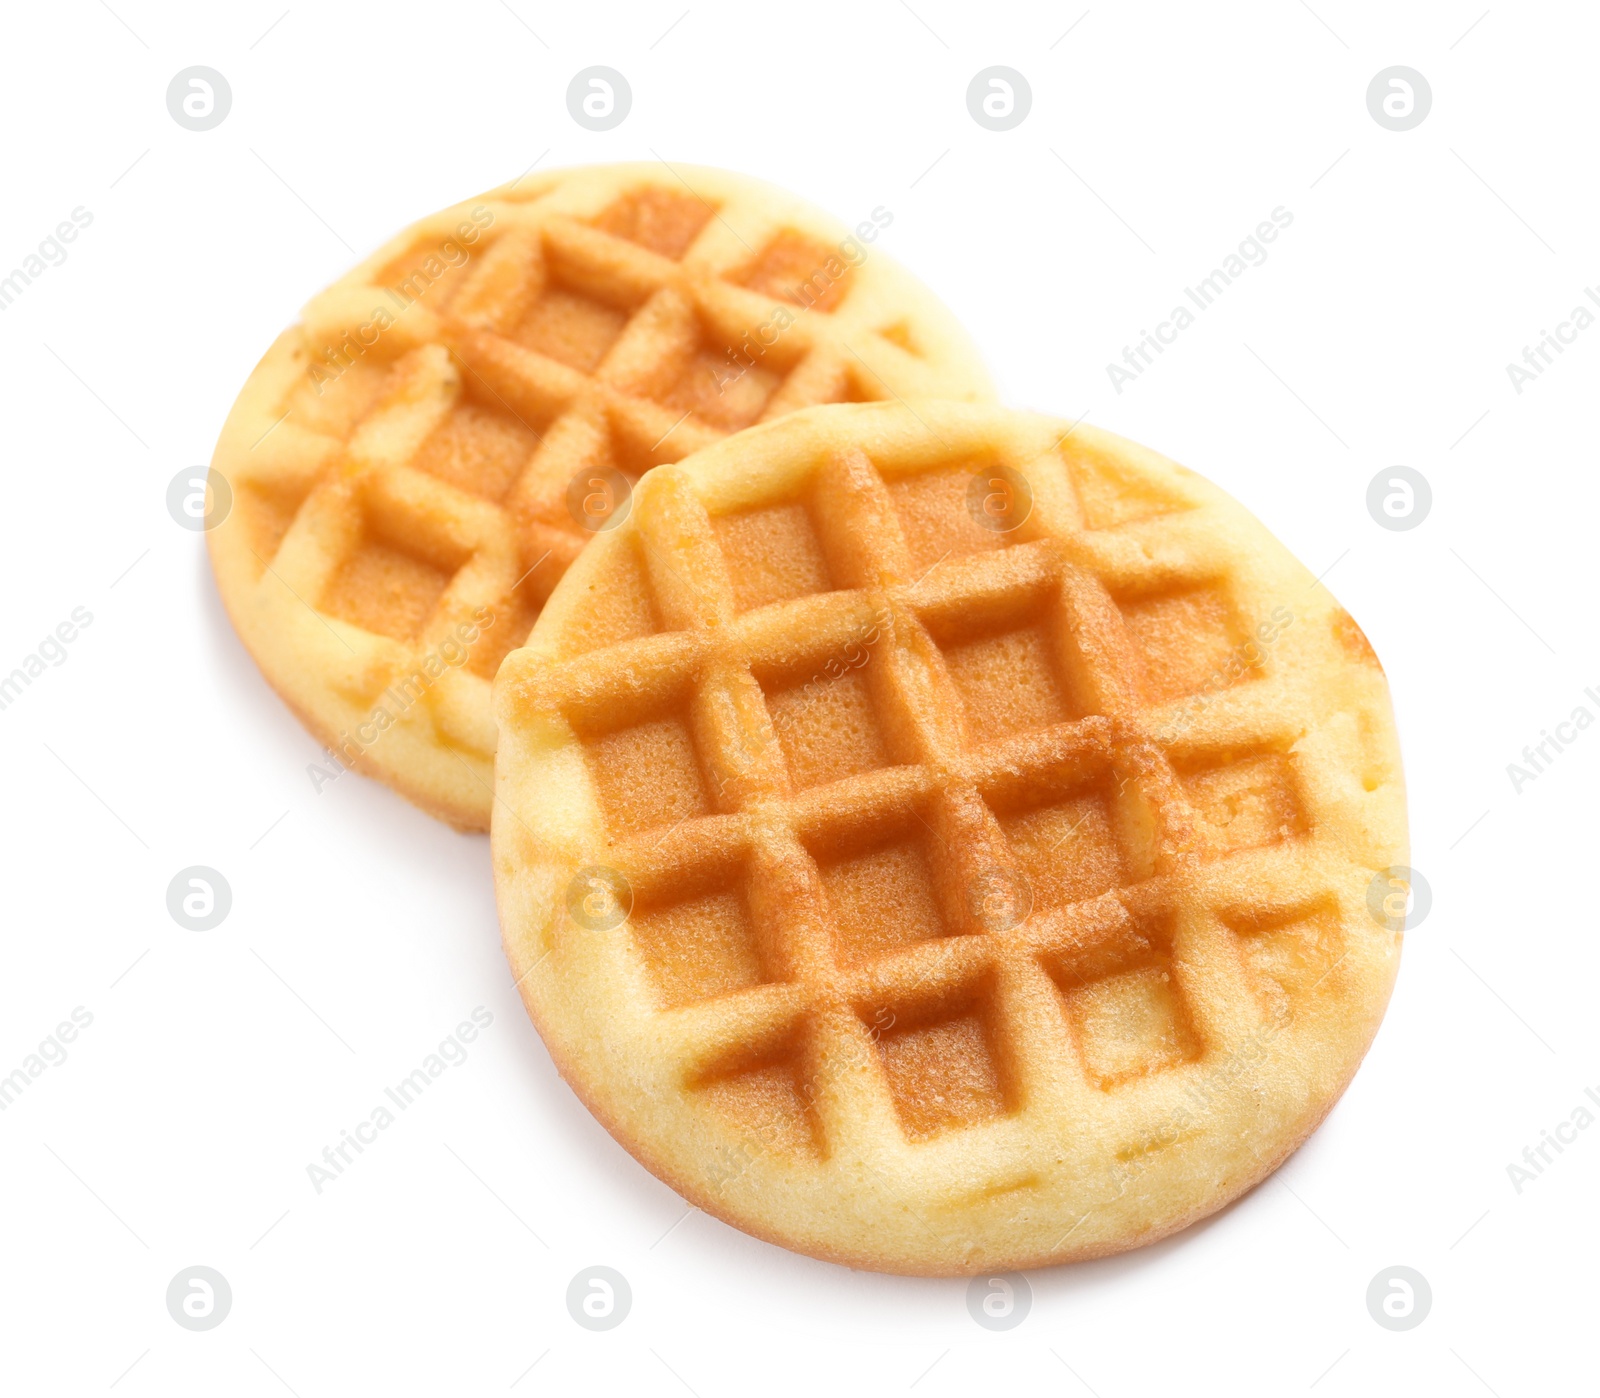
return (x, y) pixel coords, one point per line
(598, 328)
(1127, 941)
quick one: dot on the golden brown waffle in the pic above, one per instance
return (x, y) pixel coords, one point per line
(938, 840)
(416, 464)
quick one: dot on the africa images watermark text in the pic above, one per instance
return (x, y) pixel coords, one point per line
(450, 1052)
(399, 697)
(358, 339)
(1251, 252)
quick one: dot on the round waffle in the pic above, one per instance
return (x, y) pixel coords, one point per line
(937, 840)
(416, 463)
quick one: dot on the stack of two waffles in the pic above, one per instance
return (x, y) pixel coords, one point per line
(927, 835)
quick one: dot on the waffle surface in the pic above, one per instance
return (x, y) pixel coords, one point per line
(938, 870)
(416, 463)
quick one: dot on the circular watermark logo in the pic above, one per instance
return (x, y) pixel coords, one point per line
(1000, 898)
(999, 1303)
(1399, 1298)
(599, 1298)
(1399, 497)
(198, 898)
(1399, 98)
(199, 499)
(999, 499)
(599, 898)
(999, 98)
(599, 498)
(599, 98)
(1398, 898)
(199, 98)
(199, 1298)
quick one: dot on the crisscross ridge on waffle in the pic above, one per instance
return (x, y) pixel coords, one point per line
(938, 897)
(415, 464)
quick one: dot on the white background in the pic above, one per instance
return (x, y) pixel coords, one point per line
(179, 1129)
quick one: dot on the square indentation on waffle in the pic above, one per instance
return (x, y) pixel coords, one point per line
(900, 334)
(430, 271)
(268, 509)
(1064, 836)
(392, 579)
(665, 221)
(1110, 494)
(623, 607)
(727, 378)
(1005, 662)
(1244, 800)
(942, 1058)
(1184, 638)
(510, 620)
(880, 878)
(1288, 952)
(570, 325)
(766, 1094)
(800, 270)
(648, 773)
(827, 720)
(702, 945)
(478, 449)
(1124, 1004)
(773, 554)
(336, 392)
(936, 518)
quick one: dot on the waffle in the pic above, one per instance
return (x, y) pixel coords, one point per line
(937, 840)
(418, 461)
